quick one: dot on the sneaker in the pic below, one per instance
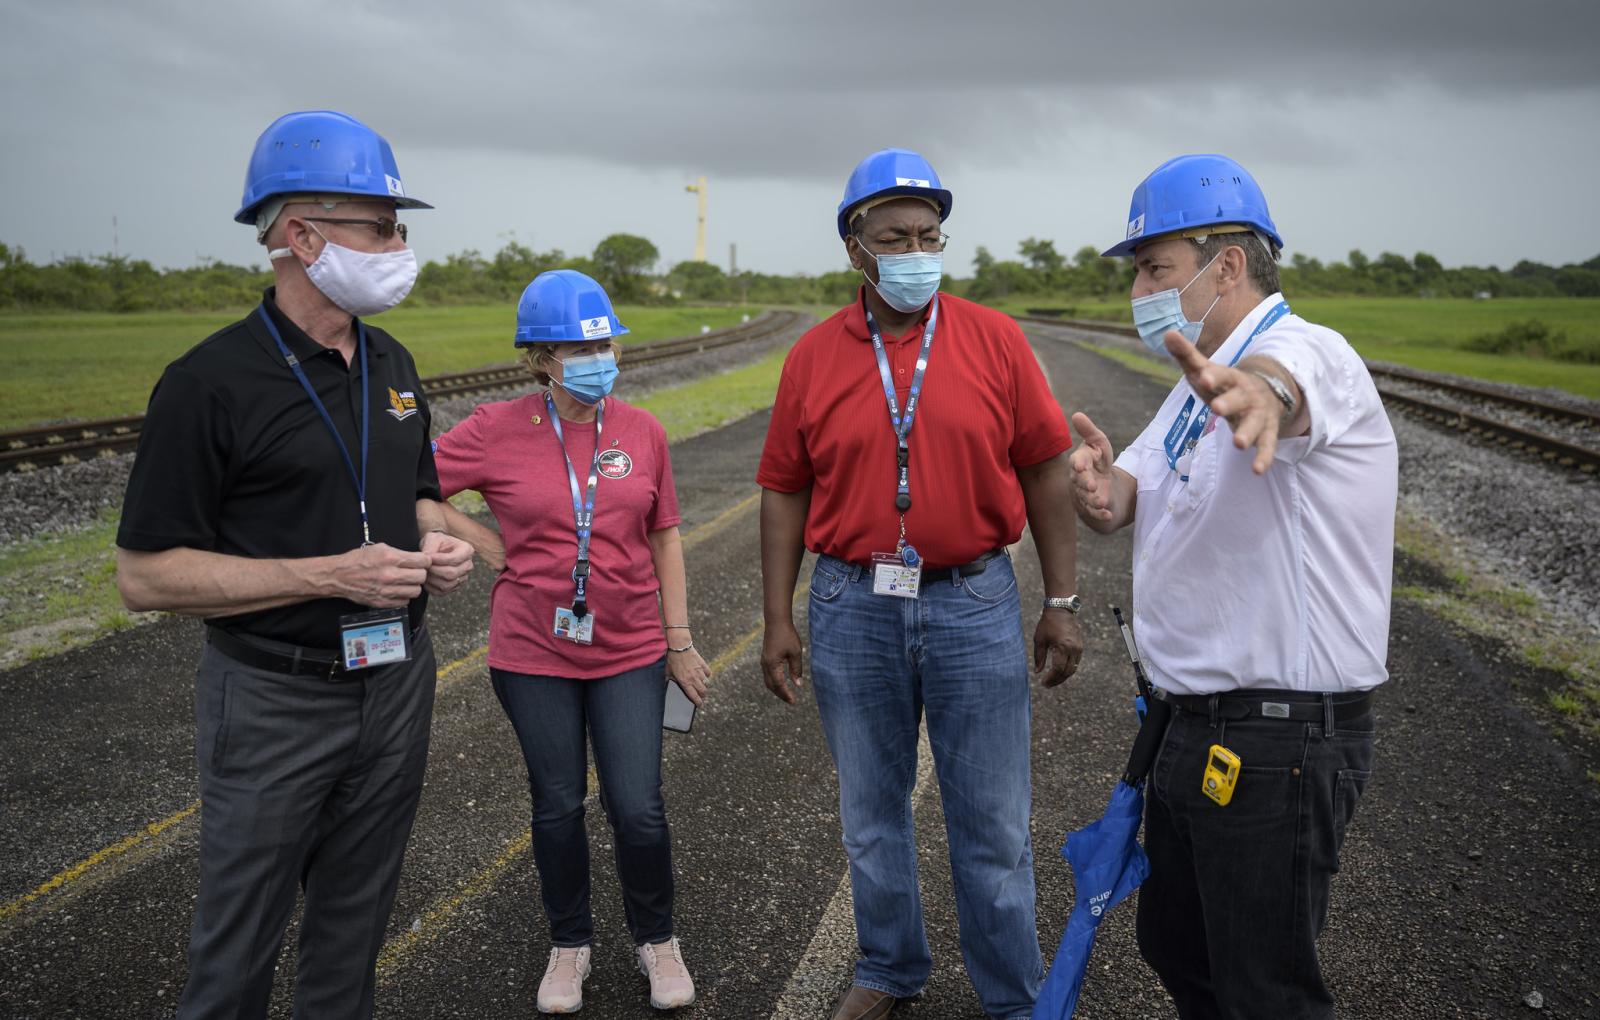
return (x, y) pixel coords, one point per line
(670, 984)
(561, 991)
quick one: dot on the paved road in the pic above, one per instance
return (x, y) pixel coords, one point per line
(1469, 873)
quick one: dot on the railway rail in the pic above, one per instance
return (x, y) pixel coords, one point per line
(49, 445)
(1441, 403)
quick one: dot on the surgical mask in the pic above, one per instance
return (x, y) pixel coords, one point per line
(587, 378)
(908, 282)
(1155, 314)
(362, 283)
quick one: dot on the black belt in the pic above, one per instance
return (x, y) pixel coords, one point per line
(278, 657)
(977, 566)
(1293, 706)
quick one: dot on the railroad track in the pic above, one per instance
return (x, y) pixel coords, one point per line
(46, 446)
(1478, 411)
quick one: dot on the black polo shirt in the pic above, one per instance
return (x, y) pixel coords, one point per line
(234, 458)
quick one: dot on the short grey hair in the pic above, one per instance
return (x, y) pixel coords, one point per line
(1260, 257)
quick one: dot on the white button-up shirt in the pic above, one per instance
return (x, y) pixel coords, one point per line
(1279, 580)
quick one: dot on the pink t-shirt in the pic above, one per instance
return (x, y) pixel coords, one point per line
(508, 452)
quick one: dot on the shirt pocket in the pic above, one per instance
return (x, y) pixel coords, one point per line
(1152, 471)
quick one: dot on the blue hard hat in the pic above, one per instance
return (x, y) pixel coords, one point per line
(565, 306)
(1189, 192)
(891, 172)
(321, 151)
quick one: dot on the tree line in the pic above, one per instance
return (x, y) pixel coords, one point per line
(626, 265)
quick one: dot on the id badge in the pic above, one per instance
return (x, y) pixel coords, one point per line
(891, 576)
(378, 638)
(571, 628)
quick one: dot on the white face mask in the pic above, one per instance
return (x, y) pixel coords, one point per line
(362, 283)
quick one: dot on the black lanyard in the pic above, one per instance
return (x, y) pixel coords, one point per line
(902, 426)
(360, 479)
(582, 503)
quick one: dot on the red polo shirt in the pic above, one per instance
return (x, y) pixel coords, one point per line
(985, 411)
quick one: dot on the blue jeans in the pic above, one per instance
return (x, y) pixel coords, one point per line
(1237, 895)
(877, 663)
(622, 717)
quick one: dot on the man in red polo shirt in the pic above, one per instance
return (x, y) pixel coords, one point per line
(912, 437)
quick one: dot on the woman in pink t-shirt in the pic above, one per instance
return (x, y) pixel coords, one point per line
(578, 641)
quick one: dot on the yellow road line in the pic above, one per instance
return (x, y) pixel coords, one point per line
(433, 923)
(72, 874)
(64, 880)
(722, 520)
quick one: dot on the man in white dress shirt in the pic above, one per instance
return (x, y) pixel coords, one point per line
(1262, 497)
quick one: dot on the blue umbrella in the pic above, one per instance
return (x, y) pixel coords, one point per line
(1107, 865)
(1107, 861)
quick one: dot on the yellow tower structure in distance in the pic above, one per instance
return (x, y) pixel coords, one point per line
(699, 187)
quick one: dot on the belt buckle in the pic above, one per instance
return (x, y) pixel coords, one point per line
(332, 676)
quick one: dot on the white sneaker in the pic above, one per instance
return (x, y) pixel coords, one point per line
(670, 984)
(561, 991)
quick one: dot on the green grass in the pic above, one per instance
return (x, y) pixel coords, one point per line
(705, 404)
(1513, 616)
(58, 591)
(100, 365)
(1426, 333)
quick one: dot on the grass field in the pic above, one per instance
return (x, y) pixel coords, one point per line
(76, 366)
(58, 591)
(1424, 333)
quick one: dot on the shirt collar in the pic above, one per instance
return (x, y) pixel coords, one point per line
(855, 320)
(1246, 326)
(299, 341)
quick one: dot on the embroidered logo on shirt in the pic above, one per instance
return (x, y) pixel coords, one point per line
(615, 464)
(401, 404)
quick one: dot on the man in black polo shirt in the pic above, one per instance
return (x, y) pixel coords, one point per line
(284, 489)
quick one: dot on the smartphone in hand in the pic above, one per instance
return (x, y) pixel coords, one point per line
(679, 713)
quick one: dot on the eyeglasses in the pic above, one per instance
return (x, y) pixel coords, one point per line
(902, 245)
(384, 227)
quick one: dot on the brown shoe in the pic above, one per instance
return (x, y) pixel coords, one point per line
(864, 1004)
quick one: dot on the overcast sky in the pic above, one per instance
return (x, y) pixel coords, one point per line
(1465, 128)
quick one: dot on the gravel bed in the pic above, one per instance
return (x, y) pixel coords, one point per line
(77, 495)
(1524, 522)
(1549, 396)
(1572, 432)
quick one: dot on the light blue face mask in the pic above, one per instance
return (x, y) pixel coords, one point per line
(1155, 314)
(908, 282)
(587, 378)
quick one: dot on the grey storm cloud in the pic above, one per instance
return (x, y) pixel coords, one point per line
(766, 90)
(1455, 126)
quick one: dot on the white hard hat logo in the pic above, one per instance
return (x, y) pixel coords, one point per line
(394, 186)
(911, 182)
(1136, 225)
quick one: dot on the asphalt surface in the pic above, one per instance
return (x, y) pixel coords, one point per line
(1468, 881)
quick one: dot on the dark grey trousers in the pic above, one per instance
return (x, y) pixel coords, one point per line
(303, 783)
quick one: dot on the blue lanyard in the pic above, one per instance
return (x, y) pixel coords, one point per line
(582, 503)
(1180, 440)
(902, 426)
(360, 480)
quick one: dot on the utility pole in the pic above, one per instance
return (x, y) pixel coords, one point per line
(733, 259)
(699, 187)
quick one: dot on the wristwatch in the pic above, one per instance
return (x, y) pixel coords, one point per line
(1279, 390)
(1071, 603)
